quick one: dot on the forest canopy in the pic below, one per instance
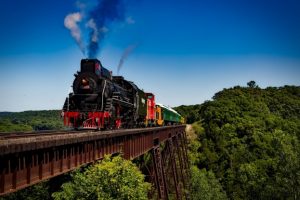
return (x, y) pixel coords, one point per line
(249, 138)
(30, 121)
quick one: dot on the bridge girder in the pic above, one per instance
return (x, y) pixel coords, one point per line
(27, 162)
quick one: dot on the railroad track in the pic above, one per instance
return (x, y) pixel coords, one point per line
(16, 135)
(32, 134)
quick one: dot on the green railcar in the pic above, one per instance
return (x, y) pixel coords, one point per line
(169, 116)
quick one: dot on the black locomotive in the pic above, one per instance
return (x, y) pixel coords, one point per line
(100, 100)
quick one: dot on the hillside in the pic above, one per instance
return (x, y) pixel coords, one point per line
(30, 120)
(249, 139)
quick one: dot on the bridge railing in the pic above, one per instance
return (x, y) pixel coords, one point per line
(25, 161)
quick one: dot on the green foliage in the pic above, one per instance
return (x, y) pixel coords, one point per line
(35, 192)
(204, 185)
(6, 125)
(191, 113)
(194, 133)
(112, 178)
(251, 141)
(30, 120)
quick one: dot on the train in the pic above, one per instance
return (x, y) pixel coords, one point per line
(102, 101)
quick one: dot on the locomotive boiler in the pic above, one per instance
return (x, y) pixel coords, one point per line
(100, 100)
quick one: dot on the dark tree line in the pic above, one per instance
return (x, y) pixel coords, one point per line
(30, 121)
(249, 138)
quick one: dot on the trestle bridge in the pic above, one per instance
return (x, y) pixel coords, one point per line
(29, 158)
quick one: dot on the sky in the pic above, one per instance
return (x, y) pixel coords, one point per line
(186, 51)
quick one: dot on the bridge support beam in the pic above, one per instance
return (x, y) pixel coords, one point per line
(160, 176)
(174, 168)
(171, 168)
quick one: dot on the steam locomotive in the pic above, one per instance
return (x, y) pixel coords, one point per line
(102, 101)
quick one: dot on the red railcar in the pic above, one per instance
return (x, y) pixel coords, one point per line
(151, 109)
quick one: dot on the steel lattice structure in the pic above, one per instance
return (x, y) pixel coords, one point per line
(25, 161)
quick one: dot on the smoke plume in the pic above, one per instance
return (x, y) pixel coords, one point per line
(106, 12)
(96, 19)
(124, 56)
(71, 23)
(91, 24)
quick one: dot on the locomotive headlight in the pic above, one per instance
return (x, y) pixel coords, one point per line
(85, 84)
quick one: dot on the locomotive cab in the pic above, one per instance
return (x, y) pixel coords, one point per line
(95, 66)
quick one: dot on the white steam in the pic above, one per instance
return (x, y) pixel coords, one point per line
(71, 23)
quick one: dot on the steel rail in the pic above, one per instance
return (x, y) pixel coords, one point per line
(12, 135)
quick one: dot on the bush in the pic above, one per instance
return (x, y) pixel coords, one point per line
(111, 178)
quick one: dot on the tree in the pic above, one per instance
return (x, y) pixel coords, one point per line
(111, 178)
(251, 141)
(251, 84)
(204, 185)
(190, 113)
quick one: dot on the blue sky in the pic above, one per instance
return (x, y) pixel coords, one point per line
(187, 50)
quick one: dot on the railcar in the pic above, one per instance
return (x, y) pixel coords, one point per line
(102, 101)
(151, 110)
(167, 116)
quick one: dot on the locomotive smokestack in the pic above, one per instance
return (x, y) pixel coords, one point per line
(124, 56)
